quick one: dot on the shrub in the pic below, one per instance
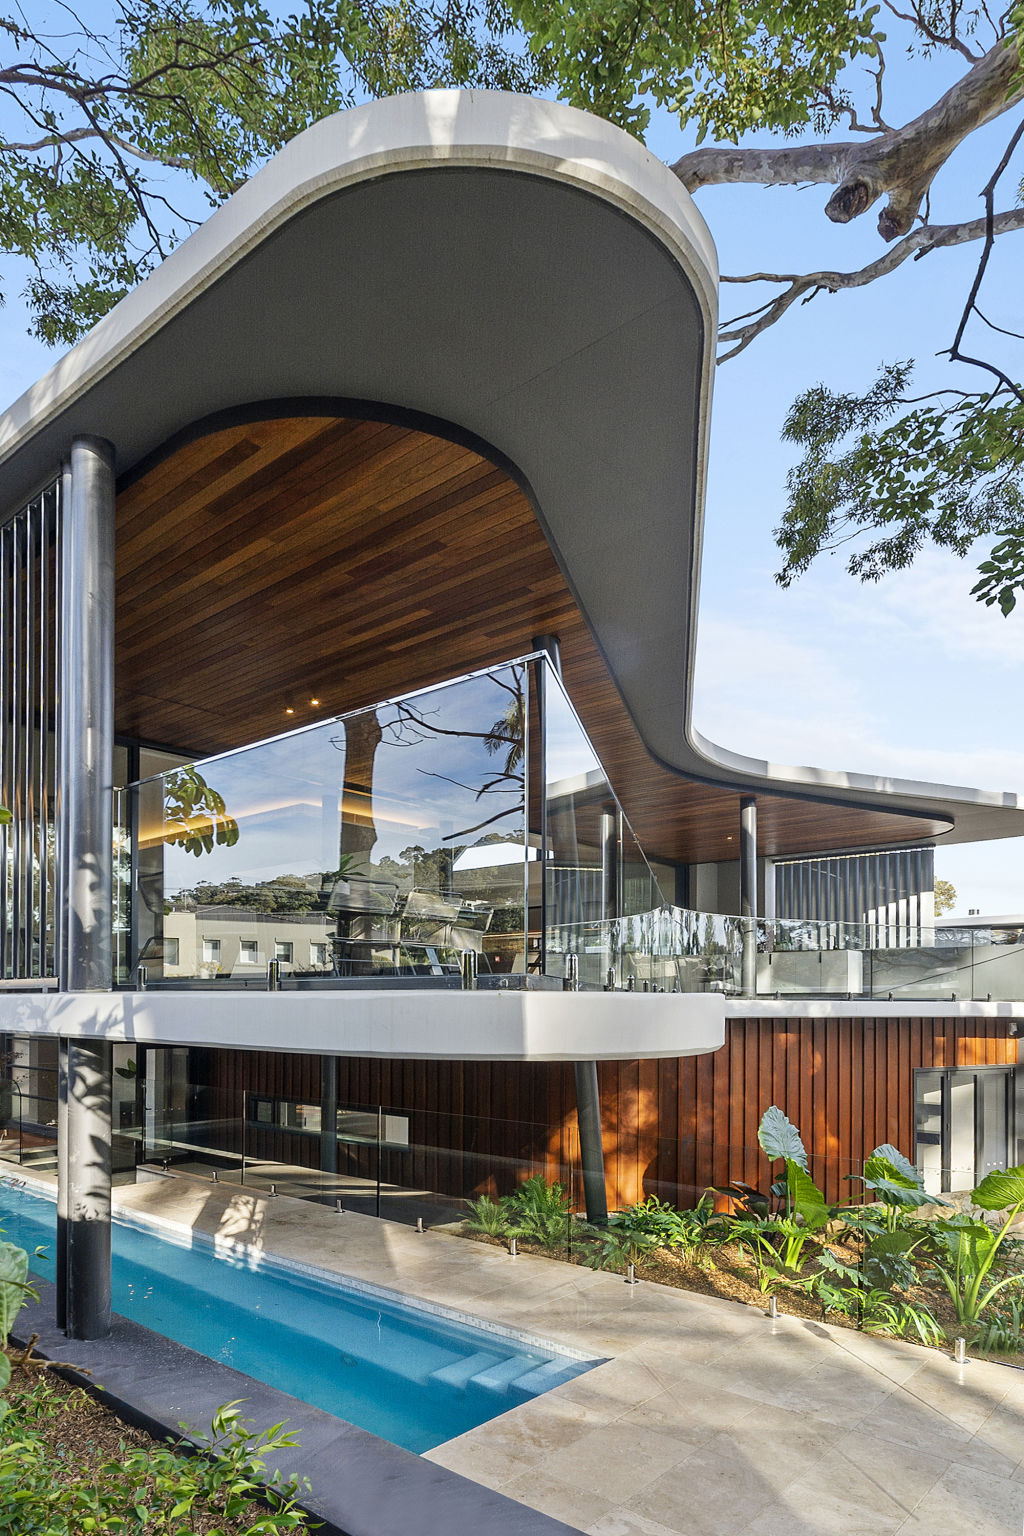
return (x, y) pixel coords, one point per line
(155, 1489)
(540, 1212)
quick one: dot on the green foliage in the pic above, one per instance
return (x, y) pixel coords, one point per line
(963, 1254)
(726, 68)
(14, 1286)
(1002, 1332)
(619, 1243)
(150, 1489)
(853, 1292)
(195, 816)
(540, 1212)
(489, 1216)
(210, 89)
(942, 473)
(5, 816)
(895, 1183)
(945, 897)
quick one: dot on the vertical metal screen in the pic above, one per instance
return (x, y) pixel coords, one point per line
(29, 660)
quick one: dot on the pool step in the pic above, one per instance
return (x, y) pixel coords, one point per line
(498, 1378)
(463, 1371)
(551, 1374)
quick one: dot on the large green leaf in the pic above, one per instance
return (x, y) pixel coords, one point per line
(5, 1376)
(5, 816)
(805, 1198)
(894, 1157)
(1000, 1189)
(13, 1285)
(779, 1137)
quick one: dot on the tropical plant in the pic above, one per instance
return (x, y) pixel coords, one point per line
(1003, 1332)
(895, 1183)
(619, 1243)
(963, 1252)
(540, 1212)
(489, 1216)
(15, 1290)
(851, 1291)
(156, 1490)
(807, 1212)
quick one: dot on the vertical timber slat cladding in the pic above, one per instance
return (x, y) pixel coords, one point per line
(672, 1127)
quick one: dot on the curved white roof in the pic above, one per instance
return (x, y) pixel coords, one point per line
(512, 269)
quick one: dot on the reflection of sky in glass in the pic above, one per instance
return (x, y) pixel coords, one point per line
(428, 770)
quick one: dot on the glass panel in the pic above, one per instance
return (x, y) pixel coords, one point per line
(993, 1127)
(961, 1132)
(378, 845)
(928, 1129)
(594, 869)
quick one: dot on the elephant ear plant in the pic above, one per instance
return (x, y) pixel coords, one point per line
(963, 1252)
(14, 1292)
(779, 1241)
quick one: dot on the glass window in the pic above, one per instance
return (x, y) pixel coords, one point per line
(283, 950)
(249, 952)
(211, 951)
(320, 954)
(171, 952)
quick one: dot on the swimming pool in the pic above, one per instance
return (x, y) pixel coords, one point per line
(412, 1376)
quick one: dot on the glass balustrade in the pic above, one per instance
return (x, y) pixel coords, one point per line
(379, 848)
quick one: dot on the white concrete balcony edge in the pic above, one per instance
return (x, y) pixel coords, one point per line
(459, 1026)
(867, 1008)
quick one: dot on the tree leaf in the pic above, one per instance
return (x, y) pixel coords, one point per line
(779, 1137)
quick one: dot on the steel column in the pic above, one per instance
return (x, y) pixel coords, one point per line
(588, 1116)
(86, 750)
(748, 894)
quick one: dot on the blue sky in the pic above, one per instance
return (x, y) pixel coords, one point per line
(909, 676)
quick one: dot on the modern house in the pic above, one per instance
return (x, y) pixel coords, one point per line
(348, 598)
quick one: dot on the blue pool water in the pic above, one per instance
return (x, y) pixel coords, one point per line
(410, 1376)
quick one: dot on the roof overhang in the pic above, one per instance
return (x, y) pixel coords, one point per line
(518, 270)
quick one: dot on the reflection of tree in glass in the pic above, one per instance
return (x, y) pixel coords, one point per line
(195, 815)
(507, 734)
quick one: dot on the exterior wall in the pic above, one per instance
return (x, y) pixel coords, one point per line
(672, 1127)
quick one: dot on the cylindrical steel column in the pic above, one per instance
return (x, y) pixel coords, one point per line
(88, 1220)
(85, 815)
(748, 894)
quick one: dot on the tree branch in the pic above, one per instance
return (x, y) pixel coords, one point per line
(901, 163)
(804, 286)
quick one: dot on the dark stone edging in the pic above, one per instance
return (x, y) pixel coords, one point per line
(361, 1485)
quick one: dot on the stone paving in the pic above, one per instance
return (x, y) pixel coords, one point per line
(707, 1420)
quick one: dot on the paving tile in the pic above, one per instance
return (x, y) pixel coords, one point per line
(576, 1506)
(617, 1461)
(967, 1503)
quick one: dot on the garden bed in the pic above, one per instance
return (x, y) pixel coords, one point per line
(902, 1263)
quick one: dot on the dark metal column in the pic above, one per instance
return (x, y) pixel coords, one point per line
(86, 749)
(329, 1114)
(748, 893)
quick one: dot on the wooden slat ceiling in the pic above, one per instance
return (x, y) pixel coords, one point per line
(279, 561)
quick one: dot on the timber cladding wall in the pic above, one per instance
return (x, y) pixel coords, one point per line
(672, 1127)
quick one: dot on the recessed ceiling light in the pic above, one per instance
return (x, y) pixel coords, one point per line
(289, 711)
(314, 703)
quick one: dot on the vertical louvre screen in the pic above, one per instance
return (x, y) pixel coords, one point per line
(29, 658)
(890, 892)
